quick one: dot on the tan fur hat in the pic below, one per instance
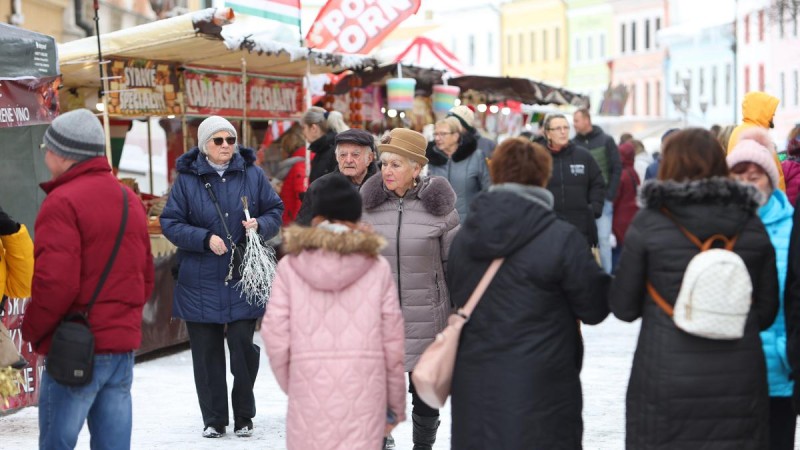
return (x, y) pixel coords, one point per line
(405, 142)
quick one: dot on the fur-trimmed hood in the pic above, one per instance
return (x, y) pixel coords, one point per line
(297, 238)
(435, 193)
(331, 261)
(467, 146)
(719, 191)
(195, 162)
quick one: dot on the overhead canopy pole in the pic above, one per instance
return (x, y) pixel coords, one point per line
(103, 85)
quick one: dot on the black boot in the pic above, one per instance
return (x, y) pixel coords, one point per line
(424, 431)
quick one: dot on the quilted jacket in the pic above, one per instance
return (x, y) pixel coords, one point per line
(16, 263)
(419, 228)
(687, 392)
(334, 335)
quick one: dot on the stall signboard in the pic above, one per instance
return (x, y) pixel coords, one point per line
(28, 101)
(26, 54)
(211, 92)
(140, 87)
(11, 315)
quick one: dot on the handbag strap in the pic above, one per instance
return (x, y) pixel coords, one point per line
(113, 256)
(207, 185)
(466, 311)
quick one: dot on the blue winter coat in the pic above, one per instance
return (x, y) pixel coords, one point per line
(777, 217)
(189, 219)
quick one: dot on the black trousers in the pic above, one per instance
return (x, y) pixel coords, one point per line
(782, 423)
(207, 341)
(419, 407)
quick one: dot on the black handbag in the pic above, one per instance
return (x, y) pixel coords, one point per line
(71, 357)
(237, 250)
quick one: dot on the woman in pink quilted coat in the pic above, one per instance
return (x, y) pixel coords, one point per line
(334, 331)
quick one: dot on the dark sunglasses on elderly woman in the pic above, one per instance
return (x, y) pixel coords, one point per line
(218, 140)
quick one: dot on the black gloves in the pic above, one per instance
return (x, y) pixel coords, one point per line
(7, 224)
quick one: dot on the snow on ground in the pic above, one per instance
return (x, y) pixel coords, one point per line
(166, 414)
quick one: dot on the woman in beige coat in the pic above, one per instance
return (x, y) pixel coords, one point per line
(417, 216)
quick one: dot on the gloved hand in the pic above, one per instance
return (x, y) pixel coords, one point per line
(7, 224)
(612, 240)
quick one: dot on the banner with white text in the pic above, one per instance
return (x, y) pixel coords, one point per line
(139, 87)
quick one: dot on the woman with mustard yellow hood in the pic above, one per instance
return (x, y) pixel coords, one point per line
(758, 109)
(16, 263)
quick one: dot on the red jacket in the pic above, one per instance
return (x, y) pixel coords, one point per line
(293, 186)
(75, 233)
(625, 202)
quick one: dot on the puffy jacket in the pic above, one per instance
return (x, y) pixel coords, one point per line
(791, 173)
(625, 203)
(777, 218)
(304, 216)
(190, 218)
(75, 230)
(419, 229)
(466, 170)
(604, 150)
(523, 335)
(16, 263)
(686, 391)
(324, 149)
(293, 186)
(334, 335)
(758, 109)
(578, 189)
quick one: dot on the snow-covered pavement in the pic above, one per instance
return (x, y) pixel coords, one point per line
(166, 414)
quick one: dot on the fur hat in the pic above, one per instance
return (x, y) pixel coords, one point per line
(76, 135)
(756, 147)
(335, 198)
(464, 115)
(405, 142)
(210, 127)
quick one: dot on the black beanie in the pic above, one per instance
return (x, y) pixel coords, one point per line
(334, 197)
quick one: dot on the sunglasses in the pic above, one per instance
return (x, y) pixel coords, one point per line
(218, 140)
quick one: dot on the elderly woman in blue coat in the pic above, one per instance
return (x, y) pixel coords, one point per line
(752, 161)
(205, 296)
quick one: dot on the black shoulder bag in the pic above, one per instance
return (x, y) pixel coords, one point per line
(237, 250)
(71, 357)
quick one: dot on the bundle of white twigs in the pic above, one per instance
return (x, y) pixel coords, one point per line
(258, 267)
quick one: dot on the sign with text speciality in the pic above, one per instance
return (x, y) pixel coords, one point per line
(211, 92)
(357, 26)
(140, 87)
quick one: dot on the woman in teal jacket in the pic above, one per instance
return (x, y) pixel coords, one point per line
(751, 161)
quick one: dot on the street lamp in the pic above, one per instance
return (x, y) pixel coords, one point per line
(681, 98)
(703, 108)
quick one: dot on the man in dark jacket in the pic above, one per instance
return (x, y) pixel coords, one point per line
(605, 152)
(76, 231)
(355, 153)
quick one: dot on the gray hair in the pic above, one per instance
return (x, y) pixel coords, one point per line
(550, 117)
(414, 164)
(325, 120)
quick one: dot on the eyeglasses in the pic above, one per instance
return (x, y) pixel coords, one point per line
(443, 134)
(218, 140)
(562, 129)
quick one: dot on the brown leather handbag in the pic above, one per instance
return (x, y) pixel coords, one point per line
(433, 374)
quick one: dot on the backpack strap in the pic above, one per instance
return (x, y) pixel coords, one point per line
(659, 300)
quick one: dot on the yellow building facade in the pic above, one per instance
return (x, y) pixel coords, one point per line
(42, 16)
(534, 43)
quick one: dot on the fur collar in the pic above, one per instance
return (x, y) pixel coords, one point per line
(297, 238)
(195, 162)
(435, 193)
(465, 149)
(718, 190)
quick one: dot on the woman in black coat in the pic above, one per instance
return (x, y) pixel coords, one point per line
(688, 392)
(516, 383)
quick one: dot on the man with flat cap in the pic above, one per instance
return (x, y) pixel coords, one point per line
(355, 155)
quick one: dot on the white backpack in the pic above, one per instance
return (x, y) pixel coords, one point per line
(716, 292)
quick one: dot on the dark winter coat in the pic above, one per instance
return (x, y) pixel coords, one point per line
(791, 301)
(324, 162)
(304, 216)
(791, 174)
(75, 234)
(418, 228)
(625, 202)
(516, 383)
(688, 392)
(190, 218)
(466, 170)
(604, 150)
(578, 189)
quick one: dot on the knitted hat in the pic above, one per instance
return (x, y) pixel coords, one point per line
(756, 147)
(210, 127)
(405, 142)
(464, 115)
(334, 197)
(76, 135)
(356, 136)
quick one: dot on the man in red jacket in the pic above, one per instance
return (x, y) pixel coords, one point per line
(75, 234)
